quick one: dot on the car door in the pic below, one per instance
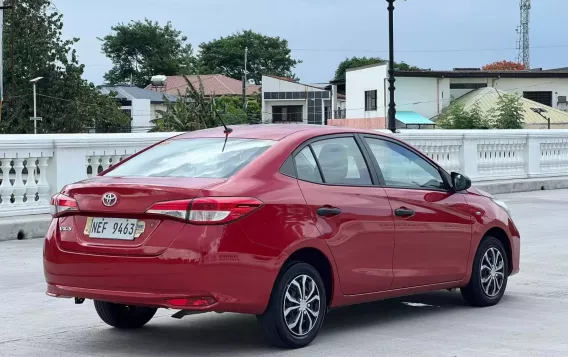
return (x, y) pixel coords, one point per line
(350, 210)
(433, 225)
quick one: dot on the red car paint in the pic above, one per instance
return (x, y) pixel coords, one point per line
(371, 253)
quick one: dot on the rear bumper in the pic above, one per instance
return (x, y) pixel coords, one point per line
(238, 282)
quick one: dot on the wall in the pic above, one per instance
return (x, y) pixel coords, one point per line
(154, 107)
(425, 96)
(558, 86)
(141, 115)
(359, 81)
(456, 93)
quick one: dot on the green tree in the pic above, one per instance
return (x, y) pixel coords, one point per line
(266, 55)
(66, 102)
(142, 49)
(355, 62)
(456, 116)
(194, 110)
(509, 113)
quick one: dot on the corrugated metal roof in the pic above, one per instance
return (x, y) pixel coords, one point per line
(413, 118)
(129, 93)
(487, 99)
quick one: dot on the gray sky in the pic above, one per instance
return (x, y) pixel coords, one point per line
(316, 28)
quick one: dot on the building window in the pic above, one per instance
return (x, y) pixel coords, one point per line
(371, 100)
(290, 113)
(467, 85)
(544, 98)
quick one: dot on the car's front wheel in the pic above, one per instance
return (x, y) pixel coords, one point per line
(489, 276)
(124, 316)
(297, 307)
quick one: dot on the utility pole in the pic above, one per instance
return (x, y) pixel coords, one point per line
(35, 117)
(392, 105)
(245, 81)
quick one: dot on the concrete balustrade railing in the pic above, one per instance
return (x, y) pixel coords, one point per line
(34, 167)
(486, 155)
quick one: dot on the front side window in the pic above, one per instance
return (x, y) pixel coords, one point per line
(403, 168)
(342, 162)
(194, 158)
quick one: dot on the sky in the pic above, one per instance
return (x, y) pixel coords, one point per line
(436, 34)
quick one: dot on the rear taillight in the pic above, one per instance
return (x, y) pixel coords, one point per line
(61, 203)
(175, 209)
(208, 210)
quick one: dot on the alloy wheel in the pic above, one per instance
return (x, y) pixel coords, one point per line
(492, 272)
(301, 306)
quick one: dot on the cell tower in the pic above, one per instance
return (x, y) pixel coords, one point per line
(524, 30)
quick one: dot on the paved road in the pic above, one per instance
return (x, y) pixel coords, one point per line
(532, 319)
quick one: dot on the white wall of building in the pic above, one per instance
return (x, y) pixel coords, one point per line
(357, 83)
(558, 86)
(141, 115)
(425, 96)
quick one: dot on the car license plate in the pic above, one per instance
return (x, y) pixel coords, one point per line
(113, 228)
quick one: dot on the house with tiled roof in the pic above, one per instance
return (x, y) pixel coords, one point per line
(217, 85)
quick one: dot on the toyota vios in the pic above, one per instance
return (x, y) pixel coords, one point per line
(280, 221)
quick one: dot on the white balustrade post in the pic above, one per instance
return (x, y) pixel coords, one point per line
(469, 156)
(19, 189)
(532, 156)
(31, 185)
(66, 167)
(6, 186)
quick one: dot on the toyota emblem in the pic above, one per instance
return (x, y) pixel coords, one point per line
(109, 199)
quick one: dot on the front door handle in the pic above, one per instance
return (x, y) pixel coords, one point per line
(328, 211)
(404, 212)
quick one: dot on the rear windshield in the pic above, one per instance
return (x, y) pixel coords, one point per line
(194, 158)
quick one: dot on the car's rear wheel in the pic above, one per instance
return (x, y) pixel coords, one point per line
(489, 276)
(124, 316)
(297, 307)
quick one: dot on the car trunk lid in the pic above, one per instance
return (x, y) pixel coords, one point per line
(131, 198)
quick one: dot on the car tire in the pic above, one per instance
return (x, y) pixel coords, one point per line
(295, 315)
(123, 316)
(489, 275)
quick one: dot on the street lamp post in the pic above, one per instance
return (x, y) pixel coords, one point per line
(35, 117)
(392, 105)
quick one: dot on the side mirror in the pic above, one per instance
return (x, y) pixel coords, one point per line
(461, 182)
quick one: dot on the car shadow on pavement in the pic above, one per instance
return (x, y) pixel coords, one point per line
(240, 335)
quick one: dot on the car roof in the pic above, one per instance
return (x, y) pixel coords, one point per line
(275, 132)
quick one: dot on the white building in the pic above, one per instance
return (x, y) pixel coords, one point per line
(284, 100)
(141, 105)
(426, 93)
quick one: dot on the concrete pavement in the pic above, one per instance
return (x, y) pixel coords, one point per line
(532, 319)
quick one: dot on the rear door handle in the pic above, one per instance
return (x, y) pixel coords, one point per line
(404, 212)
(328, 211)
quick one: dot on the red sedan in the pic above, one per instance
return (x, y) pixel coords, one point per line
(280, 221)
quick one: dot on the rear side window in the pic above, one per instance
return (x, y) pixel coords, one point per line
(339, 160)
(307, 167)
(193, 158)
